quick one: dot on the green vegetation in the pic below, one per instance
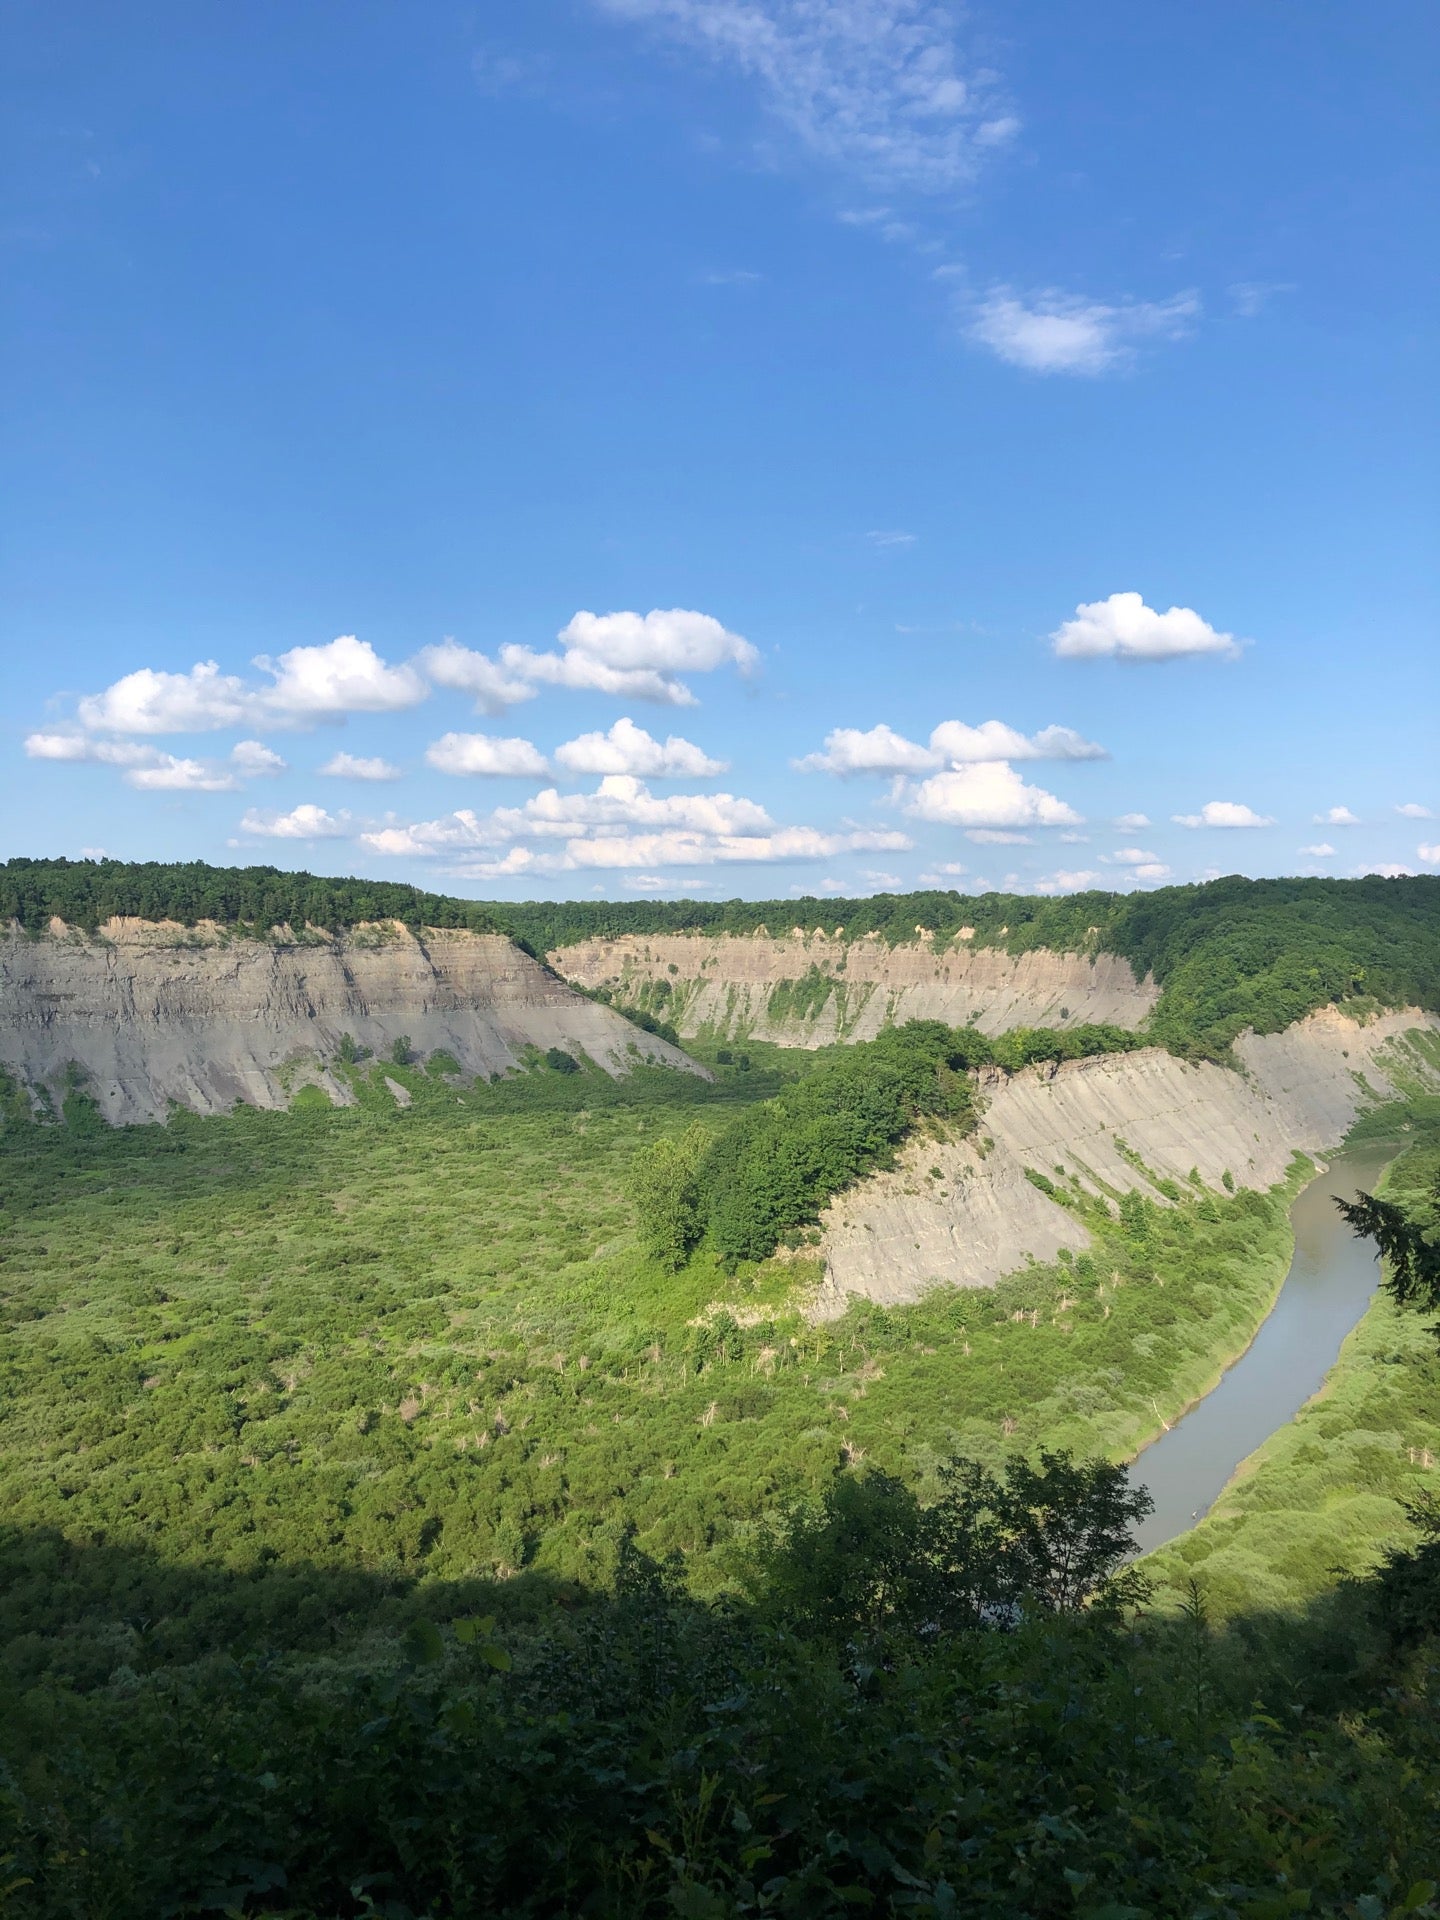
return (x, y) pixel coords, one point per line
(86, 893)
(386, 1532)
(1229, 954)
(1331, 1491)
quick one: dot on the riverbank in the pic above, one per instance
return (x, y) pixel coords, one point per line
(1324, 1496)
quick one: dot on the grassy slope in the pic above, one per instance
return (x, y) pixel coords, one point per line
(422, 1343)
(1326, 1493)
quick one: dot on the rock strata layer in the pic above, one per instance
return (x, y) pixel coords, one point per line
(809, 990)
(963, 1213)
(154, 1014)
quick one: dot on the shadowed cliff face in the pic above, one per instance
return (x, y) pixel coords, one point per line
(158, 1013)
(810, 990)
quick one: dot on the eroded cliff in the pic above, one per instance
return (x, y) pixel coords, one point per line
(153, 1014)
(964, 1212)
(811, 989)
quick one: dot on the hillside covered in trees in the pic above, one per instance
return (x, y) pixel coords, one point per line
(1228, 954)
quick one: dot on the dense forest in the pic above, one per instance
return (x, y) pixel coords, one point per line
(233, 1686)
(1228, 954)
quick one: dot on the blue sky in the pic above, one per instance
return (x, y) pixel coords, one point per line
(661, 446)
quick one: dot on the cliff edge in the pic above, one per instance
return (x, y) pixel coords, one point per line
(155, 1013)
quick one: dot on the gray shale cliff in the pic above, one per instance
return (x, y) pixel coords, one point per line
(810, 989)
(1102, 1126)
(154, 1014)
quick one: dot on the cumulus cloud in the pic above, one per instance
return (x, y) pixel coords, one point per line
(1052, 332)
(1124, 628)
(345, 675)
(998, 837)
(620, 825)
(636, 656)
(253, 757)
(1337, 817)
(146, 701)
(1131, 822)
(988, 793)
(1068, 882)
(880, 749)
(877, 88)
(1223, 813)
(1129, 857)
(150, 769)
(1390, 870)
(493, 688)
(627, 748)
(485, 753)
(1429, 854)
(305, 822)
(350, 766)
(1412, 810)
(1152, 870)
(1322, 850)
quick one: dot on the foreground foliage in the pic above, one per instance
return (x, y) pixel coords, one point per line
(919, 1713)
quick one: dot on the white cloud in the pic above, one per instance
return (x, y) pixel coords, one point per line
(881, 750)
(1337, 817)
(1131, 822)
(1152, 870)
(887, 882)
(350, 766)
(621, 825)
(485, 753)
(952, 740)
(171, 775)
(1412, 810)
(305, 822)
(458, 668)
(878, 750)
(151, 770)
(345, 675)
(79, 746)
(1067, 882)
(998, 837)
(1429, 854)
(878, 537)
(876, 87)
(1391, 870)
(1223, 813)
(988, 793)
(636, 656)
(1055, 332)
(147, 701)
(627, 748)
(1322, 850)
(1129, 857)
(1251, 297)
(253, 757)
(1124, 628)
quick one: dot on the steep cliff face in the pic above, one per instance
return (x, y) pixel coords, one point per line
(810, 990)
(155, 1013)
(1086, 1124)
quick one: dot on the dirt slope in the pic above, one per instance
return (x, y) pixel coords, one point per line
(810, 989)
(155, 1013)
(1087, 1122)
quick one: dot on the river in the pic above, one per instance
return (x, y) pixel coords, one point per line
(1331, 1281)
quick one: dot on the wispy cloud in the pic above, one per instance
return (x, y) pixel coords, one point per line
(877, 87)
(891, 537)
(1054, 332)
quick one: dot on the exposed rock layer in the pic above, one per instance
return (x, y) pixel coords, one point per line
(809, 990)
(155, 1014)
(1086, 1124)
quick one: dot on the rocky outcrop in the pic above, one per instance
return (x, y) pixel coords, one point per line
(963, 1213)
(153, 1014)
(808, 990)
